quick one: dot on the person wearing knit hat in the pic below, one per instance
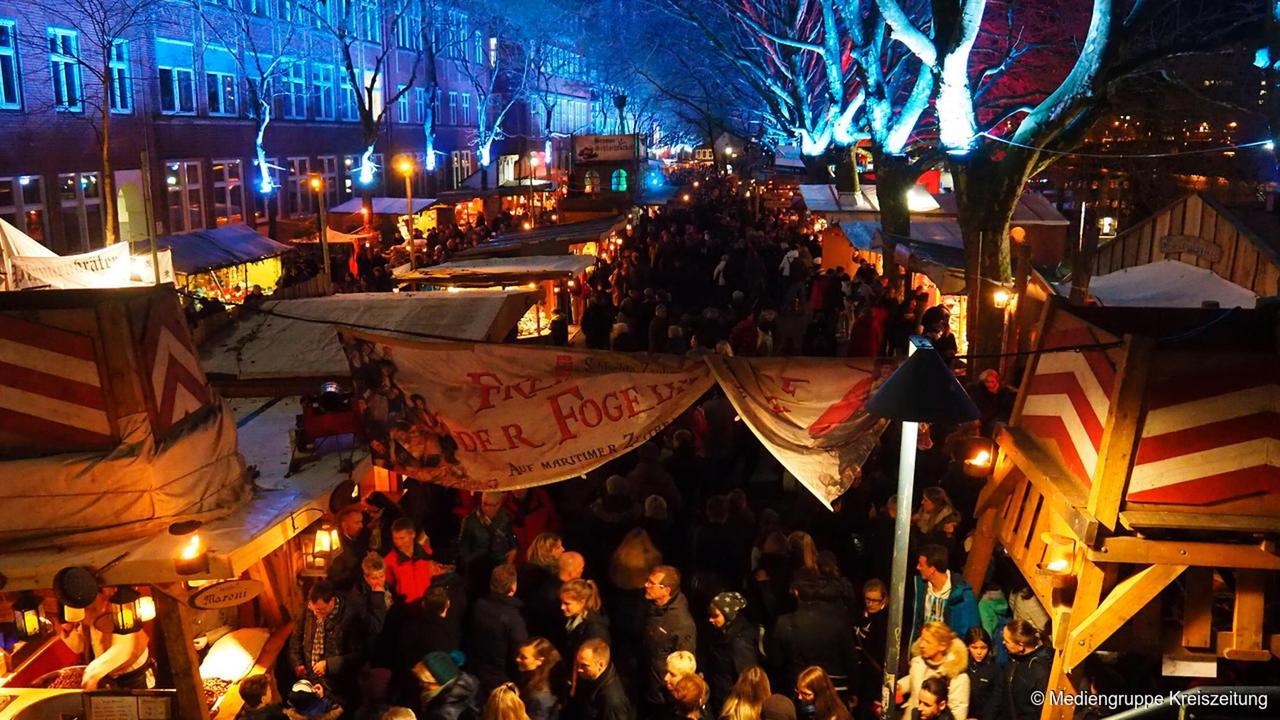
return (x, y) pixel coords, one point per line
(733, 640)
(446, 692)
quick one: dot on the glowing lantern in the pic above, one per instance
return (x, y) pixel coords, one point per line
(27, 615)
(126, 610)
(192, 558)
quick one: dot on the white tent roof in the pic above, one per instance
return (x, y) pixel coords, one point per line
(266, 346)
(1165, 284)
(500, 271)
(384, 205)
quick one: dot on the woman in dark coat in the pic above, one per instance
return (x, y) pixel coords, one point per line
(731, 647)
(580, 602)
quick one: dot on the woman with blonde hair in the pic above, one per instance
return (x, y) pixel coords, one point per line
(538, 584)
(634, 559)
(817, 697)
(937, 653)
(537, 660)
(504, 703)
(580, 603)
(545, 551)
(746, 699)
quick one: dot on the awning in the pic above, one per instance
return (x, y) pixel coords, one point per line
(547, 240)
(274, 347)
(825, 199)
(489, 272)
(525, 184)
(936, 249)
(384, 205)
(1165, 284)
(205, 250)
(1032, 209)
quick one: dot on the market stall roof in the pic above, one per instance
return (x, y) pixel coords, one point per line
(936, 248)
(488, 272)
(384, 205)
(546, 240)
(253, 350)
(788, 156)
(1032, 209)
(825, 199)
(1165, 284)
(215, 248)
(661, 195)
(236, 541)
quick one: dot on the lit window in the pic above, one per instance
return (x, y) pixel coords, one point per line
(183, 188)
(177, 77)
(322, 97)
(10, 92)
(228, 191)
(64, 53)
(22, 205)
(121, 86)
(420, 104)
(591, 182)
(402, 104)
(295, 99)
(221, 82)
(618, 181)
(81, 203)
(466, 108)
(299, 189)
(350, 104)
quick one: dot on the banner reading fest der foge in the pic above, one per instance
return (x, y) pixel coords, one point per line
(498, 417)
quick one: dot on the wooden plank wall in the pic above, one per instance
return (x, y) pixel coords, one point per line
(1240, 261)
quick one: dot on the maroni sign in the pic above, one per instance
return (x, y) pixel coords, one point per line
(229, 593)
(1198, 246)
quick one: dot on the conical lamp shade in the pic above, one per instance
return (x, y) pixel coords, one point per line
(923, 389)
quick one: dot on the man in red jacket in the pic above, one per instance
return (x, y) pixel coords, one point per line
(409, 566)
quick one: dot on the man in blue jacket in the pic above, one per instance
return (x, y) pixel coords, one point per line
(942, 595)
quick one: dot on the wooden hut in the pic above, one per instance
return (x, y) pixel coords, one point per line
(1135, 476)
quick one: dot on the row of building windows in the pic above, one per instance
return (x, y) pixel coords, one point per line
(23, 204)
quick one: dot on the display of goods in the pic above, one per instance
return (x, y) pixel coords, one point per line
(66, 678)
(214, 688)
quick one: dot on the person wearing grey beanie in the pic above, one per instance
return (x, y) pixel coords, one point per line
(731, 647)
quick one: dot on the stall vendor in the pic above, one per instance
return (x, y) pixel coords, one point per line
(116, 660)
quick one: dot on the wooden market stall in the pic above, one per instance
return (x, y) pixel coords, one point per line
(1137, 480)
(223, 262)
(154, 543)
(564, 239)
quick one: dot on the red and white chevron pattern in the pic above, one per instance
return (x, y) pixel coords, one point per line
(1210, 436)
(1068, 398)
(178, 385)
(51, 396)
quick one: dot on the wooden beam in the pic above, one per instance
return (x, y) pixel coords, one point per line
(1198, 518)
(1124, 549)
(990, 505)
(1120, 605)
(1089, 586)
(173, 618)
(1121, 432)
(1197, 609)
(1244, 642)
(1061, 489)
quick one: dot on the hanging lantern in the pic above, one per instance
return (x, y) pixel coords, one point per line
(27, 615)
(126, 610)
(147, 608)
(322, 546)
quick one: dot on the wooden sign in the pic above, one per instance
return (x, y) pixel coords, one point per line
(228, 593)
(1198, 246)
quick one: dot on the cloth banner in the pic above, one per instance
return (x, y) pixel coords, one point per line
(808, 413)
(501, 417)
(32, 265)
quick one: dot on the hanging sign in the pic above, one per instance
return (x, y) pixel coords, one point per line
(225, 594)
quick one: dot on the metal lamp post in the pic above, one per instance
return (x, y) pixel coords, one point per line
(922, 390)
(406, 169)
(317, 185)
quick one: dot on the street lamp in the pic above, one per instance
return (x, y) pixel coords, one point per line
(317, 186)
(922, 390)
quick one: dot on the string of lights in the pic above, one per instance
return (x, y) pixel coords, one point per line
(1266, 144)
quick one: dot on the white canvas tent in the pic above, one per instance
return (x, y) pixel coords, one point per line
(253, 351)
(30, 265)
(1165, 284)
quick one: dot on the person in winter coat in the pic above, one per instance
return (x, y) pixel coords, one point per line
(323, 647)
(938, 653)
(731, 645)
(669, 627)
(497, 631)
(540, 676)
(807, 636)
(1023, 679)
(446, 693)
(580, 602)
(367, 606)
(941, 595)
(538, 586)
(353, 541)
(817, 698)
(937, 519)
(871, 631)
(409, 565)
(983, 671)
(597, 691)
(486, 541)
(532, 514)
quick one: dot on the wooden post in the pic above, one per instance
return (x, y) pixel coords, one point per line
(1089, 586)
(1244, 642)
(990, 504)
(1120, 605)
(173, 618)
(1121, 432)
(1013, 330)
